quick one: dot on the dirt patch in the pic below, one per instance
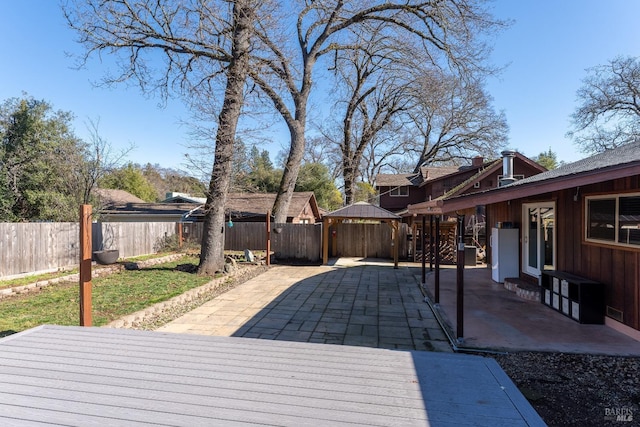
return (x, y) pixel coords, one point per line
(576, 389)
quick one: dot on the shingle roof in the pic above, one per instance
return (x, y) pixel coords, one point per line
(239, 204)
(612, 164)
(109, 196)
(415, 179)
(362, 210)
(625, 154)
(262, 202)
(395, 179)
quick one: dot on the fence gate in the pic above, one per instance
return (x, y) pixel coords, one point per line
(365, 240)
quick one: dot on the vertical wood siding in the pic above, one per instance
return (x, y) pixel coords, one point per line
(616, 267)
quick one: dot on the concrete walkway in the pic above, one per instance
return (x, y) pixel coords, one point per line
(352, 302)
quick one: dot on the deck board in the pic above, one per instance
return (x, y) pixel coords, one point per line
(95, 376)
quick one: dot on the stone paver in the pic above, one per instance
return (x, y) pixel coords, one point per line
(351, 302)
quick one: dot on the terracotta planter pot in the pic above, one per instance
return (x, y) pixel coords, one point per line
(109, 256)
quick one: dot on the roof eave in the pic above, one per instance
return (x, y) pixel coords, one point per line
(511, 192)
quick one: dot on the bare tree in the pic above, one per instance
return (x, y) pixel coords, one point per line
(321, 149)
(448, 29)
(608, 114)
(453, 119)
(191, 48)
(387, 151)
(99, 159)
(375, 96)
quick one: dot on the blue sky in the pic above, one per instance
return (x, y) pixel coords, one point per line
(547, 50)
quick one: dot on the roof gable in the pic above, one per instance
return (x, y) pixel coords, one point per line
(110, 196)
(612, 164)
(260, 203)
(488, 169)
(362, 210)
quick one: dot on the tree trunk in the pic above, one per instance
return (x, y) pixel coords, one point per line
(212, 250)
(290, 174)
(348, 175)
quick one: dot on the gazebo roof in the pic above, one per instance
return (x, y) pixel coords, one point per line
(363, 210)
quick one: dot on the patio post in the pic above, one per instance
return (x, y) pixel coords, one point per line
(85, 265)
(422, 249)
(460, 280)
(437, 254)
(268, 237)
(430, 243)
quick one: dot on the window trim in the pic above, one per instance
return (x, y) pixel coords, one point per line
(610, 243)
(398, 188)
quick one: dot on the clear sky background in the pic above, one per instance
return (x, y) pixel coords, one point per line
(546, 50)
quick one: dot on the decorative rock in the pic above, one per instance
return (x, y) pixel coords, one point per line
(232, 261)
(248, 256)
(228, 268)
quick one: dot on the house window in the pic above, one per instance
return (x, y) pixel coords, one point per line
(399, 191)
(613, 219)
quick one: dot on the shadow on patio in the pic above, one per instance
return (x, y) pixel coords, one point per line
(352, 302)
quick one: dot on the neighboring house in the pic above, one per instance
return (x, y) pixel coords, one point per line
(240, 207)
(397, 191)
(303, 208)
(437, 183)
(110, 197)
(582, 219)
(175, 197)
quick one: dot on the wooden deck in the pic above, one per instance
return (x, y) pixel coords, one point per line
(95, 376)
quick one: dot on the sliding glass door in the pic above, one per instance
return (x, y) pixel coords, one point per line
(539, 237)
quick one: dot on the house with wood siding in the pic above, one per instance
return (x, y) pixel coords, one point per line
(397, 191)
(581, 220)
(240, 207)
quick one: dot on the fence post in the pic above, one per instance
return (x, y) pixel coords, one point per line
(460, 280)
(269, 237)
(85, 265)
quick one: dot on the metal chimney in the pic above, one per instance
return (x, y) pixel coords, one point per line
(507, 167)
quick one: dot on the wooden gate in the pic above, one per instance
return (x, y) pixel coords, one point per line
(366, 240)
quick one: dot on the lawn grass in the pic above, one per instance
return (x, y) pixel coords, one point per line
(25, 280)
(114, 296)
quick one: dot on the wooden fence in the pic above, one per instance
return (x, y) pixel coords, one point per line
(304, 241)
(46, 246)
(366, 240)
(131, 238)
(39, 247)
(288, 241)
(33, 247)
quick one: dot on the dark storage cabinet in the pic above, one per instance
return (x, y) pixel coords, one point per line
(576, 297)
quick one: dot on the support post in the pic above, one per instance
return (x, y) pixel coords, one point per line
(85, 265)
(395, 229)
(423, 234)
(268, 237)
(436, 295)
(180, 234)
(460, 280)
(430, 242)
(325, 240)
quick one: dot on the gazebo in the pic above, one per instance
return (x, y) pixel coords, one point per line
(360, 211)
